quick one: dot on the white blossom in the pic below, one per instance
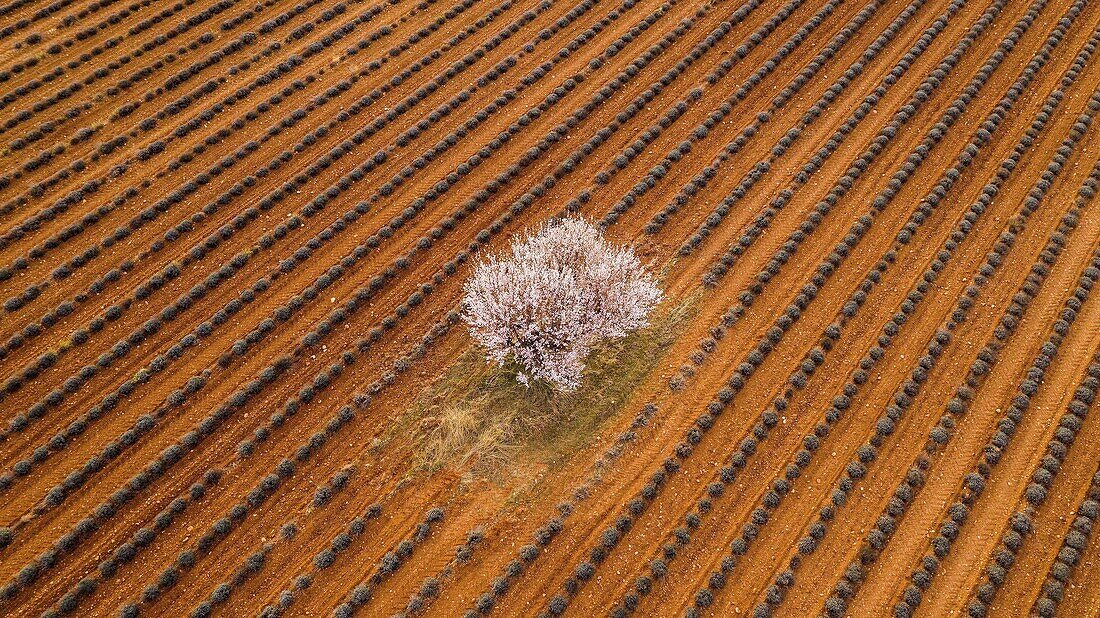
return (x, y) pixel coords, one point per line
(563, 289)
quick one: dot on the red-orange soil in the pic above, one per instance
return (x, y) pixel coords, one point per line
(233, 237)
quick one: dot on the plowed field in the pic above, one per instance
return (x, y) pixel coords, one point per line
(233, 241)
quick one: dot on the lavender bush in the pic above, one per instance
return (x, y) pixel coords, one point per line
(564, 288)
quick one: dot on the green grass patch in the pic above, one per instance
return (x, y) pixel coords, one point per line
(477, 418)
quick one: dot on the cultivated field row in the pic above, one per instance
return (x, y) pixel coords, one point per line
(233, 238)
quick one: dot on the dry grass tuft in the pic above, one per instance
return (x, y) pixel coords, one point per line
(477, 418)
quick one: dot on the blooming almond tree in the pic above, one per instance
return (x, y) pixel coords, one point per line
(564, 288)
